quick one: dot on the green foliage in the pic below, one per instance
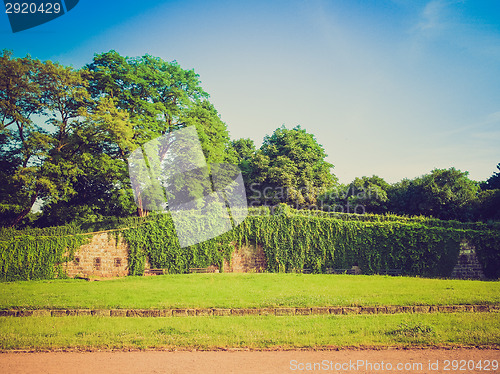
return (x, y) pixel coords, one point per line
(36, 257)
(289, 168)
(292, 240)
(444, 194)
(493, 183)
(157, 241)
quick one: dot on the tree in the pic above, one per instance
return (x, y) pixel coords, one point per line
(159, 97)
(32, 154)
(493, 183)
(289, 168)
(444, 193)
(488, 206)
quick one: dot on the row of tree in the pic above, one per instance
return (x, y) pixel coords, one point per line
(290, 168)
(66, 134)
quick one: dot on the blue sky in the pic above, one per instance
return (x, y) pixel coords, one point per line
(394, 88)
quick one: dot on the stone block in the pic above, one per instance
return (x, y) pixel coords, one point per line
(422, 308)
(406, 309)
(83, 312)
(204, 312)
(336, 310)
(8, 313)
(302, 311)
(320, 310)
(118, 312)
(222, 312)
(59, 313)
(41, 313)
(165, 312)
(285, 311)
(351, 310)
(391, 309)
(368, 310)
(267, 311)
(25, 313)
(101, 312)
(481, 308)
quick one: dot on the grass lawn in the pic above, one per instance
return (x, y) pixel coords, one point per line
(245, 291)
(48, 333)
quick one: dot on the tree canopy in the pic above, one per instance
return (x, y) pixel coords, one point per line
(66, 134)
(290, 168)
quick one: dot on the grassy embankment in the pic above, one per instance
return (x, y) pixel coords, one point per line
(245, 291)
(248, 291)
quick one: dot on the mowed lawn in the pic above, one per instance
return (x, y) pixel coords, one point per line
(230, 290)
(283, 332)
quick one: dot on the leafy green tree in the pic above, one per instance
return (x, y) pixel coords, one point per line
(444, 193)
(289, 168)
(488, 205)
(493, 183)
(32, 154)
(370, 193)
(160, 97)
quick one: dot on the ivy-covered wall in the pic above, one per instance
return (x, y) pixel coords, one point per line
(291, 241)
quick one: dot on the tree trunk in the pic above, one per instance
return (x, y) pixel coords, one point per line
(23, 214)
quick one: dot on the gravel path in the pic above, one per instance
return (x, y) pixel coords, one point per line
(429, 361)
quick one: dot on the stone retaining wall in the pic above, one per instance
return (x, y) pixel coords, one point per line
(186, 312)
(102, 257)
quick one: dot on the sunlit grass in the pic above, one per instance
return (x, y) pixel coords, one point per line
(454, 329)
(246, 291)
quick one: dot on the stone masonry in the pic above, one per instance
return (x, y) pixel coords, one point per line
(102, 257)
(468, 266)
(247, 259)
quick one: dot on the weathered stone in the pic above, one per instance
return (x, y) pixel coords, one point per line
(267, 311)
(302, 311)
(179, 312)
(101, 312)
(41, 313)
(494, 308)
(8, 313)
(445, 309)
(459, 308)
(118, 312)
(285, 311)
(83, 312)
(222, 312)
(244, 312)
(59, 313)
(481, 308)
(406, 309)
(368, 310)
(204, 312)
(421, 308)
(351, 310)
(336, 310)
(391, 309)
(165, 312)
(25, 313)
(320, 310)
(382, 310)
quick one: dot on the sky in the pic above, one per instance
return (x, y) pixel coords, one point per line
(394, 88)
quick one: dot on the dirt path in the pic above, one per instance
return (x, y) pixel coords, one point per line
(345, 361)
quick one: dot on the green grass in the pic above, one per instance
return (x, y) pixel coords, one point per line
(48, 333)
(245, 291)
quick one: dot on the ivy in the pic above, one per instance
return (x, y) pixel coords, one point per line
(291, 241)
(30, 257)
